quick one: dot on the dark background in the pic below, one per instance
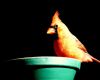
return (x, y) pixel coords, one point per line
(23, 30)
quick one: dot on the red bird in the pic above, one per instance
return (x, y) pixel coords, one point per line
(66, 44)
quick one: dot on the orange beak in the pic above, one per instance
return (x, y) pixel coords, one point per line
(51, 31)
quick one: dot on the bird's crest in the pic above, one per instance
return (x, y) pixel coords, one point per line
(55, 19)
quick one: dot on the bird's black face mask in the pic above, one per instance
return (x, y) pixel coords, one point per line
(55, 35)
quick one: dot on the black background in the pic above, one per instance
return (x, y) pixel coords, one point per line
(24, 25)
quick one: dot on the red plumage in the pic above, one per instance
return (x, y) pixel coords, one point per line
(67, 45)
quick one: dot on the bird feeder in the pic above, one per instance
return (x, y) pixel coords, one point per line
(42, 68)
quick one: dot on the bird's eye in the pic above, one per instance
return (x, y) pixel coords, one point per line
(55, 26)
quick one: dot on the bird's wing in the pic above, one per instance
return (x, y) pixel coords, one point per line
(80, 45)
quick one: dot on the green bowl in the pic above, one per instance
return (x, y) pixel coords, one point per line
(44, 68)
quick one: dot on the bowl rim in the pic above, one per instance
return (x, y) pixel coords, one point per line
(50, 61)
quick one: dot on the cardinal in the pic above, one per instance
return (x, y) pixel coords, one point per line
(66, 44)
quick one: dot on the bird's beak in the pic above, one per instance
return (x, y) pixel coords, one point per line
(51, 31)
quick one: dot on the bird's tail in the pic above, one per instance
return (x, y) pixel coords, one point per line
(94, 59)
(91, 58)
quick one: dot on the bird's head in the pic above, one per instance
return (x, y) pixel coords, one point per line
(54, 24)
(57, 29)
(53, 28)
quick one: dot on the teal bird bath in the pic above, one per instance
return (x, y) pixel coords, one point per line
(43, 68)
